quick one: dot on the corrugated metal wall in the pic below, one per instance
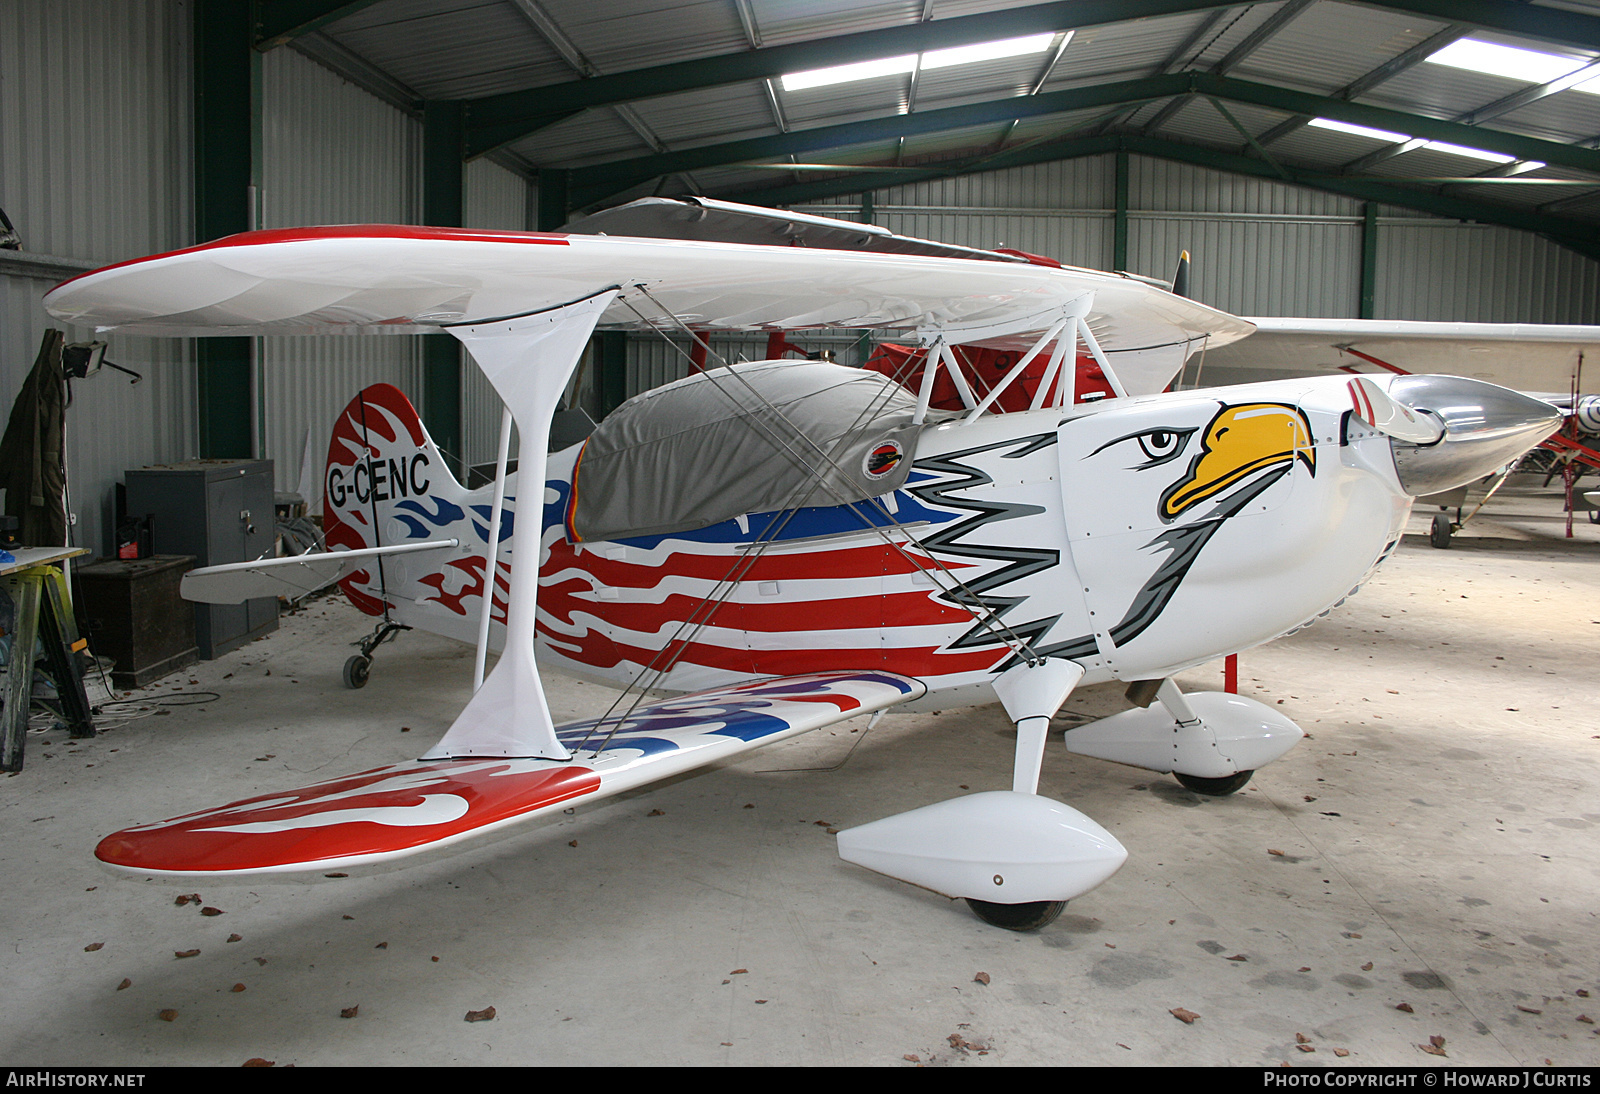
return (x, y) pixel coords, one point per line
(331, 154)
(1257, 247)
(94, 166)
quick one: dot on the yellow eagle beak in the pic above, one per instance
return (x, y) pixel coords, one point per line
(1240, 441)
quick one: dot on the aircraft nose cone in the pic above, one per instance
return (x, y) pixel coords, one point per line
(1486, 427)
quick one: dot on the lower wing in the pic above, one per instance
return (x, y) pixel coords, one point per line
(296, 575)
(404, 809)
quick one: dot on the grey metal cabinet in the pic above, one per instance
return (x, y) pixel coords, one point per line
(218, 511)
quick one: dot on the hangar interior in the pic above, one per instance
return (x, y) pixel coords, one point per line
(1420, 869)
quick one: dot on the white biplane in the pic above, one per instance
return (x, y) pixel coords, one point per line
(794, 543)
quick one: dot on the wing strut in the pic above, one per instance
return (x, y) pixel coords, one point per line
(528, 359)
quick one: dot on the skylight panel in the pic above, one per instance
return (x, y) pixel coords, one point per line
(938, 58)
(841, 74)
(988, 51)
(1527, 65)
(1400, 138)
(1359, 130)
(1472, 153)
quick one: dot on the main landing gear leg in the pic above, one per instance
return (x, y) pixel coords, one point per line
(1220, 787)
(1015, 857)
(359, 667)
(1031, 696)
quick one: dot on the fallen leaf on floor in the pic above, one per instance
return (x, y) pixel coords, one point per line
(483, 1015)
(1273, 851)
(126, 983)
(168, 1015)
(572, 843)
(1301, 1039)
(1309, 797)
(350, 1012)
(1585, 1018)
(187, 898)
(1237, 957)
(655, 813)
(185, 953)
(1187, 1017)
(1528, 1010)
(760, 1000)
(1404, 1007)
(237, 987)
(1367, 967)
(93, 946)
(1341, 1052)
(1306, 1048)
(381, 946)
(208, 910)
(981, 978)
(256, 1061)
(1434, 1047)
(736, 972)
(913, 1057)
(261, 961)
(236, 938)
(347, 917)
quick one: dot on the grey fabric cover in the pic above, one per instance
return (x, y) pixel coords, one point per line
(708, 448)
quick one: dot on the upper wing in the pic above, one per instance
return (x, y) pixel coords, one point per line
(404, 809)
(402, 279)
(1524, 356)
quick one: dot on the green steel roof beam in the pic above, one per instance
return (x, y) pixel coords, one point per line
(1527, 20)
(498, 119)
(595, 183)
(279, 22)
(592, 184)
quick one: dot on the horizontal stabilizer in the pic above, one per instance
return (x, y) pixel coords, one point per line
(297, 575)
(403, 809)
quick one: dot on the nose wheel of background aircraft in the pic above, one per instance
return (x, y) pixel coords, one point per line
(1017, 917)
(1443, 528)
(1215, 788)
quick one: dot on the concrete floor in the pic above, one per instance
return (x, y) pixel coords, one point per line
(1431, 845)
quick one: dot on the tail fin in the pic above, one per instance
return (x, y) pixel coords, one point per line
(386, 483)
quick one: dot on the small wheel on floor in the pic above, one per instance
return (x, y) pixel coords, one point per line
(356, 671)
(1017, 917)
(1442, 529)
(1215, 788)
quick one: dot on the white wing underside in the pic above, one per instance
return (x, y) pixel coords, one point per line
(382, 279)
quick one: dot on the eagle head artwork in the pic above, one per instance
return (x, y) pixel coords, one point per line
(1235, 516)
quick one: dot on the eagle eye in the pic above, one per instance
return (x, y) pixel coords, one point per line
(1161, 445)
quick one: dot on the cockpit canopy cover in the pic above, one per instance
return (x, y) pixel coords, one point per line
(758, 437)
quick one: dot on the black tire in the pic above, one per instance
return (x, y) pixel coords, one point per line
(1215, 788)
(1442, 529)
(356, 671)
(1017, 917)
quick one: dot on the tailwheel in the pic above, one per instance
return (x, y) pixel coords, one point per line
(1017, 917)
(1215, 788)
(356, 671)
